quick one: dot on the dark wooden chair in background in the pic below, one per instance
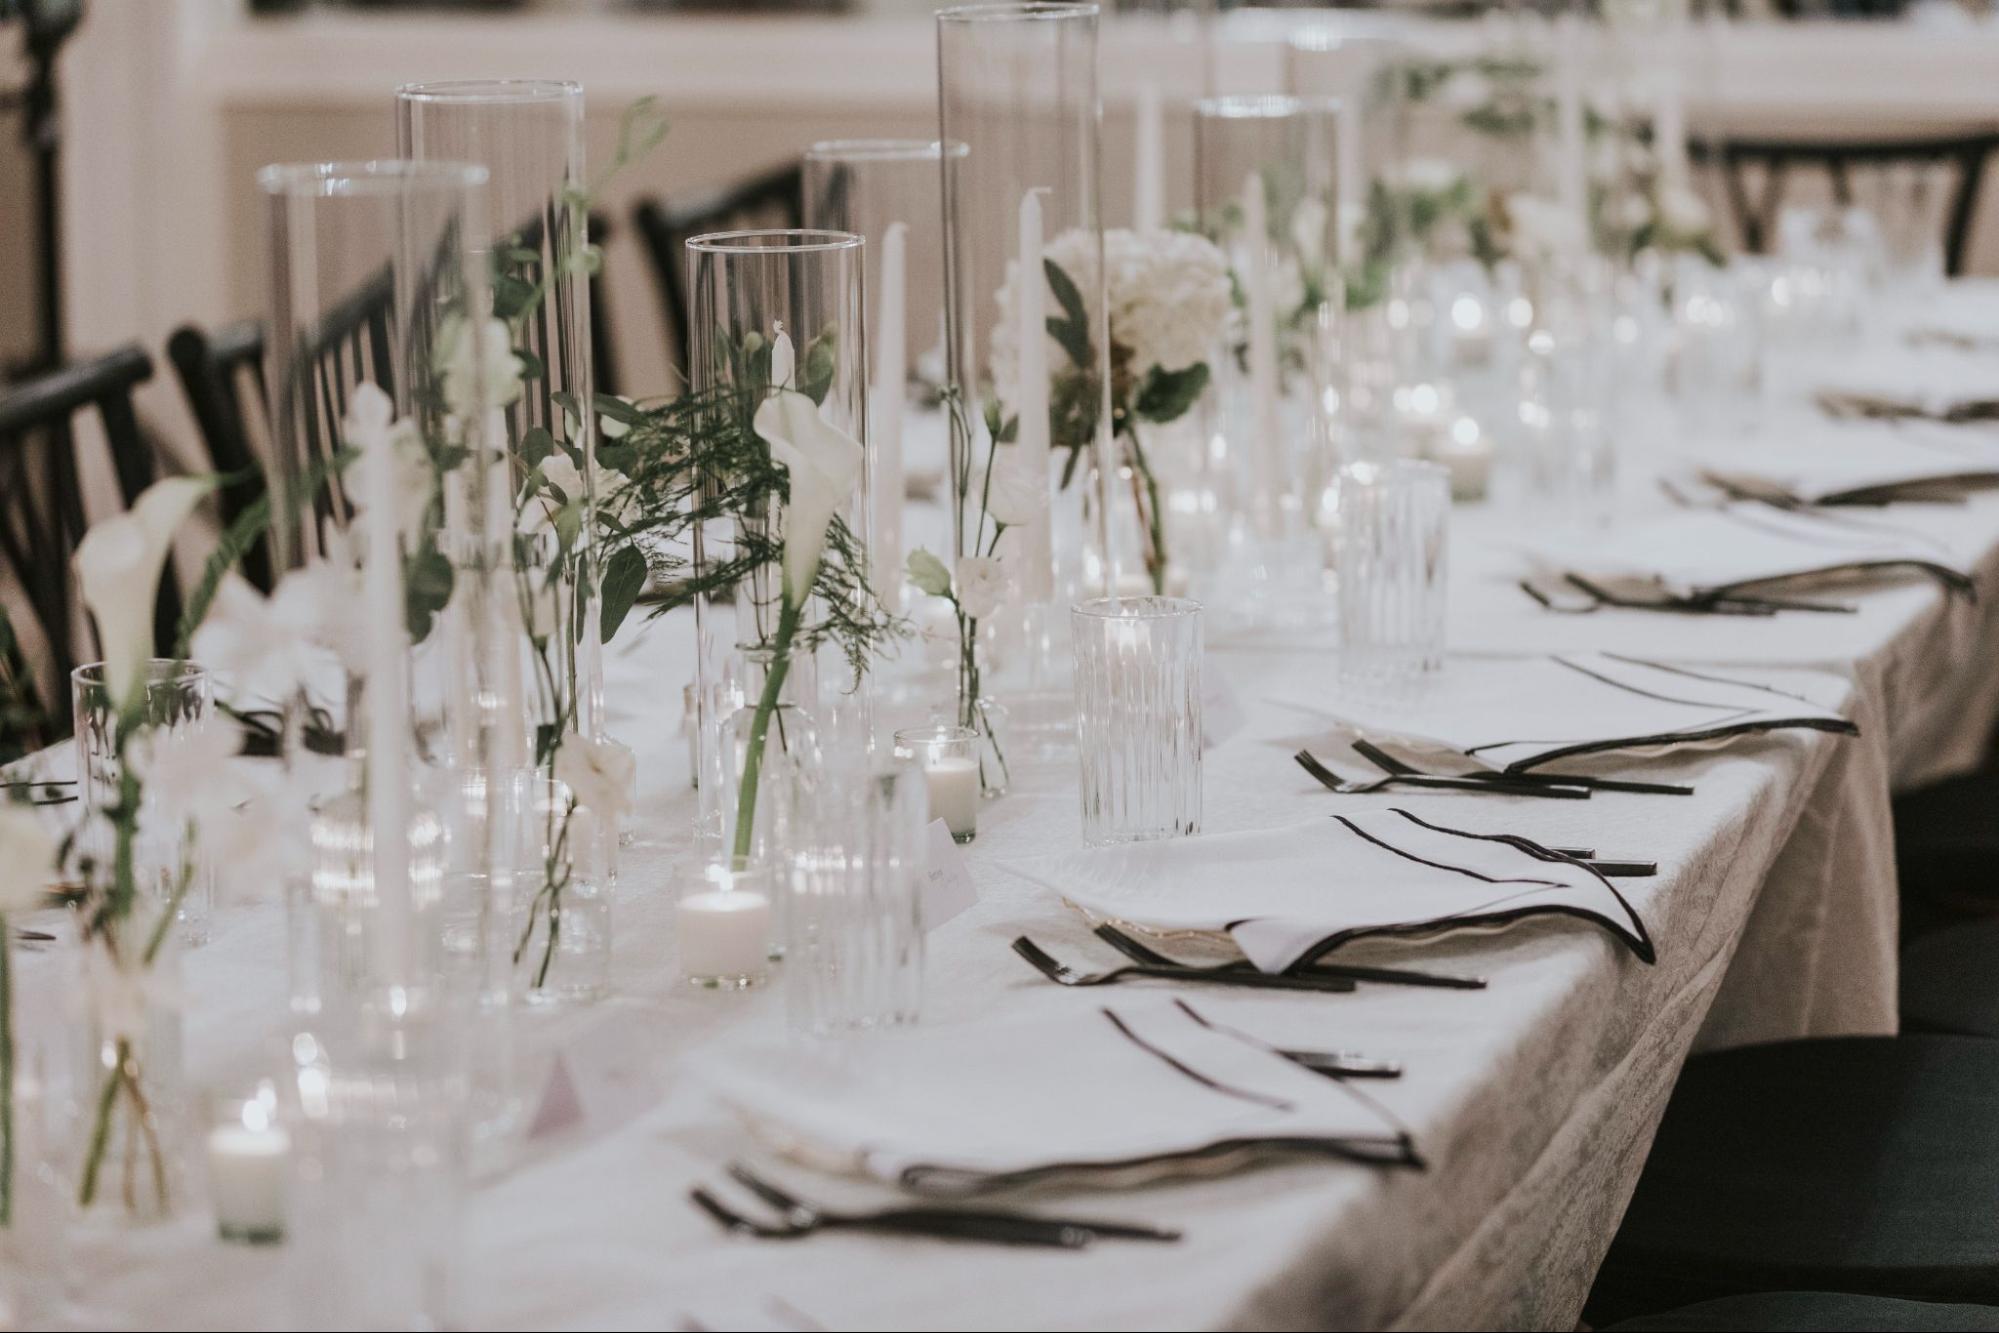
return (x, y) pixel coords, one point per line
(42, 516)
(1756, 213)
(773, 198)
(222, 376)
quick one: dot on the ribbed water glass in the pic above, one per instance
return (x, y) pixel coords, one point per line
(1138, 717)
(1393, 527)
(854, 931)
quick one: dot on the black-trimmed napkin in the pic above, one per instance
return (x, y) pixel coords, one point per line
(1517, 713)
(1120, 1093)
(1745, 547)
(1860, 463)
(1940, 383)
(1291, 895)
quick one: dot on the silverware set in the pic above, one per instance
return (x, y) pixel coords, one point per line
(796, 1219)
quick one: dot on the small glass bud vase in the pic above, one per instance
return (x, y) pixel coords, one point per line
(726, 923)
(563, 948)
(131, 1167)
(948, 758)
(789, 755)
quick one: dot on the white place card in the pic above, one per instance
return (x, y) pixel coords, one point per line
(947, 885)
(595, 1081)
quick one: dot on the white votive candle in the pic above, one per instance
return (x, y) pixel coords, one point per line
(724, 936)
(953, 782)
(248, 1162)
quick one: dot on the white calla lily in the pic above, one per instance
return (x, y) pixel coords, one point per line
(118, 566)
(27, 858)
(783, 362)
(823, 462)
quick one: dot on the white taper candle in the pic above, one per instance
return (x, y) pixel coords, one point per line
(886, 399)
(386, 697)
(1148, 202)
(1037, 573)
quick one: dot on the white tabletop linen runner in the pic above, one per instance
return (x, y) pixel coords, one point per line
(1293, 894)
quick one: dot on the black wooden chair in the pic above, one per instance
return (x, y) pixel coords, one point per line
(1756, 214)
(603, 362)
(774, 198)
(41, 498)
(222, 377)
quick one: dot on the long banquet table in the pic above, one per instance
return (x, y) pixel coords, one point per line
(1532, 1102)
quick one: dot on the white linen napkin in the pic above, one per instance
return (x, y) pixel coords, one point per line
(1293, 894)
(1131, 1087)
(1518, 712)
(1694, 553)
(1891, 380)
(1864, 460)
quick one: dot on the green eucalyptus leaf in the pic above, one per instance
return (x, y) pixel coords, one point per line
(617, 409)
(1067, 295)
(820, 360)
(427, 580)
(531, 367)
(536, 444)
(624, 578)
(511, 295)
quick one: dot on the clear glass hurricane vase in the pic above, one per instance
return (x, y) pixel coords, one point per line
(381, 284)
(779, 351)
(528, 134)
(1018, 94)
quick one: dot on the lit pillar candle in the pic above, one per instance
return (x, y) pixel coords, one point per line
(887, 397)
(953, 784)
(1148, 203)
(1262, 315)
(724, 933)
(1037, 572)
(249, 1159)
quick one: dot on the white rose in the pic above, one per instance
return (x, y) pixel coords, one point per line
(599, 771)
(1430, 175)
(27, 858)
(1681, 211)
(472, 361)
(981, 586)
(1466, 90)
(1170, 297)
(1308, 229)
(1011, 491)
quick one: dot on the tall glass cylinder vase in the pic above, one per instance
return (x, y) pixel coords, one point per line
(781, 557)
(1265, 182)
(1029, 407)
(383, 367)
(528, 134)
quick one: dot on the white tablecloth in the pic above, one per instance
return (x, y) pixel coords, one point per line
(1533, 1102)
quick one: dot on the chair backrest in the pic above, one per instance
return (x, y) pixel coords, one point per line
(41, 497)
(1756, 216)
(603, 368)
(222, 376)
(774, 198)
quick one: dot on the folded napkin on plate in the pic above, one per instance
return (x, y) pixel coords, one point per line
(1515, 713)
(1136, 1088)
(1700, 553)
(1291, 895)
(1857, 462)
(1891, 381)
